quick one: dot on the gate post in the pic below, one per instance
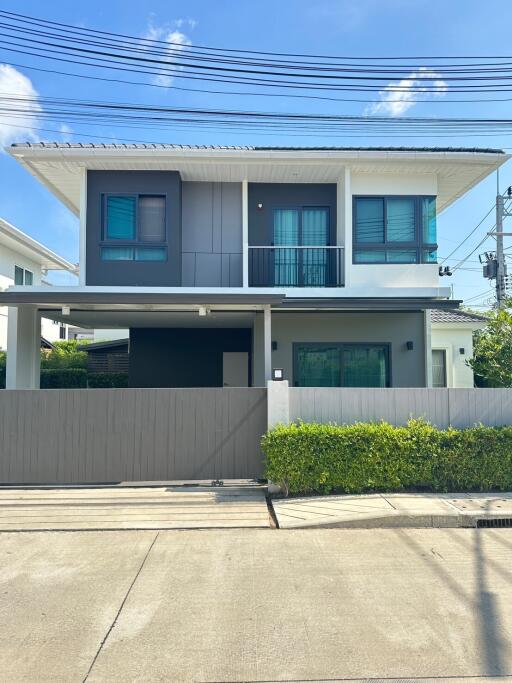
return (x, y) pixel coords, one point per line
(278, 403)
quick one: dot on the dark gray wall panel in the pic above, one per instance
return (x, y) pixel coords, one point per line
(277, 195)
(212, 234)
(133, 273)
(182, 357)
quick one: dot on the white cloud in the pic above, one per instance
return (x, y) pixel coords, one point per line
(398, 97)
(14, 84)
(66, 132)
(170, 34)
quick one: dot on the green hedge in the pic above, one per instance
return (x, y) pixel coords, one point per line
(379, 457)
(64, 378)
(99, 380)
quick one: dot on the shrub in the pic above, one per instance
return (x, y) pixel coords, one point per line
(64, 378)
(98, 380)
(366, 457)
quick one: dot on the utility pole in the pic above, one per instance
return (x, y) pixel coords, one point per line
(494, 264)
(501, 268)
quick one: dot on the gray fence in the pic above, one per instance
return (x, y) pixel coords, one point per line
(110, 435)
(442, 407)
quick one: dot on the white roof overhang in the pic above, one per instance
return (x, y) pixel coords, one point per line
(21, 243)
(59, 168)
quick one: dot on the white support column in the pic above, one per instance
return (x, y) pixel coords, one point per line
(278, 403)
(23, 348)
(267, 343)
(83, 221)
(347, 224)
(245, 233)
(428, 347)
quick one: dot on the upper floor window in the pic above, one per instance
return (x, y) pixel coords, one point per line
(134, 228)
(395, 230)
(23, 276)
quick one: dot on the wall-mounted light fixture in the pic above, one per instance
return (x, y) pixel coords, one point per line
(277, 374)
(203, 311)
(259, 206)
(409, 345)
(66, 310)
(462, 350)
(274, 346)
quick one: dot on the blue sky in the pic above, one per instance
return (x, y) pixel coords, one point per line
(335, 27)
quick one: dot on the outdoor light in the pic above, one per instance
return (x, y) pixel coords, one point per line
(66, 310)
(409, 345)
(462, 350)
(260, 206)
(203, 311)
(274, 346)
(277, 374)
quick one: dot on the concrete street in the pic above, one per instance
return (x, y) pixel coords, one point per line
(255, 605)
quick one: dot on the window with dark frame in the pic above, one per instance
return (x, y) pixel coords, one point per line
(341, 364)
(439, 379)
(22, 276)
(394, 229)
(133, 228)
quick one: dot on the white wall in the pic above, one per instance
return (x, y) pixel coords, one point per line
(458, 374)
(8, 260)
(111, 334)
(390, 275)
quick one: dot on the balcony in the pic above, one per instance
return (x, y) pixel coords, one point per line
(294, 266)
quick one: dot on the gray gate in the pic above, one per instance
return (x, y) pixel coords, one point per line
(111, 435)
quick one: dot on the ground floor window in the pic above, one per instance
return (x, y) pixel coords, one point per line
(341, 365)
(438, 368)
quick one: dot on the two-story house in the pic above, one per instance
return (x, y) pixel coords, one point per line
(25, 262)
(226, 263)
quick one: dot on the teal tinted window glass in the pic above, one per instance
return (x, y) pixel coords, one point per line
(429, 256)
(364, 366)
(400, 220)
(401, 256)
(315, 226)
(315, 231)
(150, 254)
(117, 254)
(318, 366)
(370, 220)
(428, 220)
(18, 275)
(286, 232)
(29, 277)
(120, 218)
(361, 256)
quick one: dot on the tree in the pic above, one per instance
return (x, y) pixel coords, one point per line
(492, 352)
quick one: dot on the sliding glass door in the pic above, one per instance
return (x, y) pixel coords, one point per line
(301, 227)
(341, 365)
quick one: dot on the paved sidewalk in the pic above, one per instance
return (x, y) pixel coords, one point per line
(414, 510)
(113, 508)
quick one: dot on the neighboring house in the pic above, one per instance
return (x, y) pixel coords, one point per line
(228, 262)
(452, 346)
(25, 262)
(108, 356)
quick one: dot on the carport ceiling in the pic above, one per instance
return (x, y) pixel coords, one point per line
(127, 319)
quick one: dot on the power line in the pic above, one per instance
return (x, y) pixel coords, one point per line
(82, 30)
(469, 235)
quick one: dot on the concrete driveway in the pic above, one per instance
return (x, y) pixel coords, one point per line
(235, 505)
(255, 605)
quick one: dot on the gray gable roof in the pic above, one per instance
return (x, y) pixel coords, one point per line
(148, 145)
(439, 316)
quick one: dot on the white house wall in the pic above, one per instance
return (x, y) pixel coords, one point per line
(8, 260)
(458, 374)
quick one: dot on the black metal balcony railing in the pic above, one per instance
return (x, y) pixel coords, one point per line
(296, 266)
